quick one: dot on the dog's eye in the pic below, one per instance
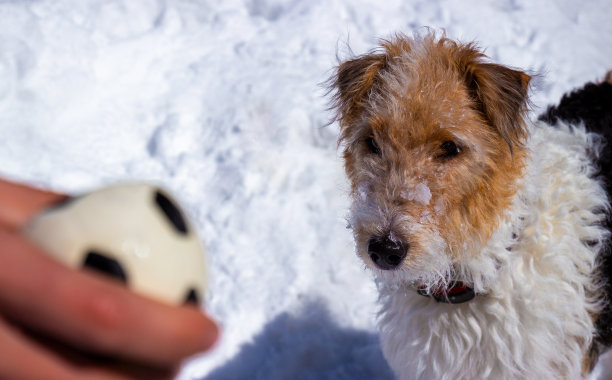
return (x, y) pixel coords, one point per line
(448, 150)
(372, 145)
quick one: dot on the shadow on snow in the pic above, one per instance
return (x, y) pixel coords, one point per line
(307, 346)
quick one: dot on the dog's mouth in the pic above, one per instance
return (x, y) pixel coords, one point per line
(456, 293)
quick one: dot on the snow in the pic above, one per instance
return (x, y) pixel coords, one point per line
(420, 193)
(221, 103)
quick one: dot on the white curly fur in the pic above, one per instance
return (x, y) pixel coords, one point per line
(531, 319)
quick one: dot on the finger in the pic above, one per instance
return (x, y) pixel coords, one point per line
(18, 360)
(94, 363)
(93, 313)
(21, 358)
(19, 203)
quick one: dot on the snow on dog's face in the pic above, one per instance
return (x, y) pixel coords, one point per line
(433, 144)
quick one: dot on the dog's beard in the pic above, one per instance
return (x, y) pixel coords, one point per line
(428, 265)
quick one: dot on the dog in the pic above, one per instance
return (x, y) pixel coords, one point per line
(486, 231)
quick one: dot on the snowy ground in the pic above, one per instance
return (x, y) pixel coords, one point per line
(221, 103)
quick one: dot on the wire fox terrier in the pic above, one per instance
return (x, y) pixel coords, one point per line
(485, 231)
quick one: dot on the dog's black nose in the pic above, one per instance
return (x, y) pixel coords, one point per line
(387, 253)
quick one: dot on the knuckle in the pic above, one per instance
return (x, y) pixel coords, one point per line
(105, 318)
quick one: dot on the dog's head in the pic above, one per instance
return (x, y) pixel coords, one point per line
(433, 138)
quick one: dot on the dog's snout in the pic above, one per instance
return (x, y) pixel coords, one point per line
(387, 253)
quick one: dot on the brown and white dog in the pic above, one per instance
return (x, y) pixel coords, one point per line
(484, 230)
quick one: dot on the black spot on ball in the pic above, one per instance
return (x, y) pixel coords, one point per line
(104, 264)
(192, 297)
(172, 212)
(62, 203)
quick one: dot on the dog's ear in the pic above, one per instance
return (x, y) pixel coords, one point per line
(353, 82)
(500, 94)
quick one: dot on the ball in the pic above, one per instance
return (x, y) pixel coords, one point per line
(135, 233)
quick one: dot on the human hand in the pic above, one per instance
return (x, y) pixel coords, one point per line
(59, 323)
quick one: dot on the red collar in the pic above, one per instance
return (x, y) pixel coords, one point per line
(458, 292)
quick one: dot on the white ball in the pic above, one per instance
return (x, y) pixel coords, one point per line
(134, 232)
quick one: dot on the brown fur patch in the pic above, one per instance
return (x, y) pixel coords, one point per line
(590, 360)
